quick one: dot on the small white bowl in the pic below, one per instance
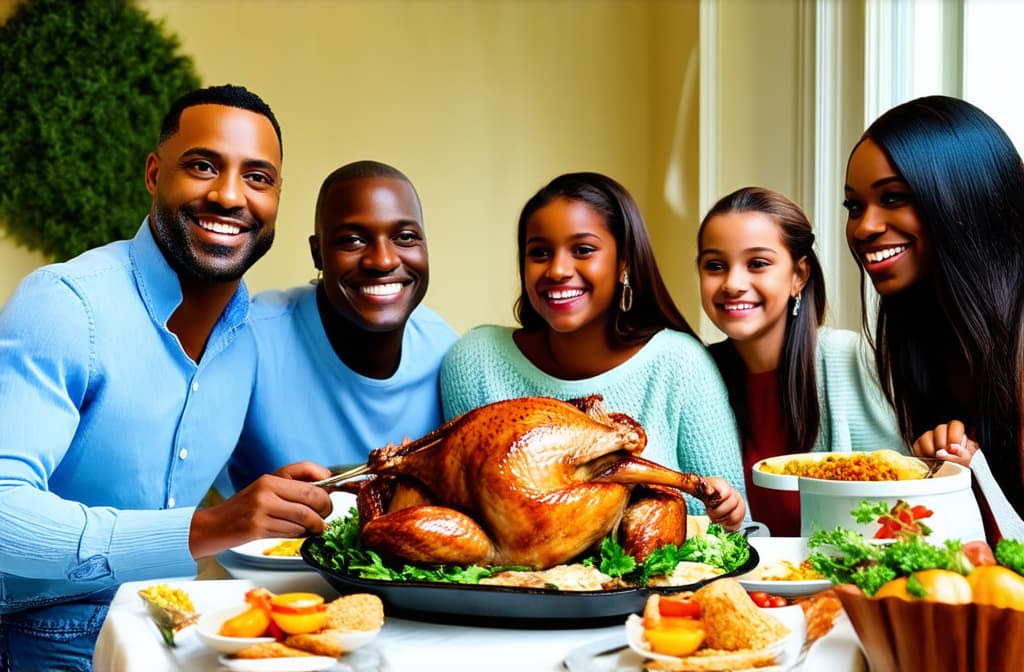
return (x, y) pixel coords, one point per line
(350, 640)
(209, 625)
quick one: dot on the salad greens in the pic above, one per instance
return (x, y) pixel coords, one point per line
(342, 551)
(1010, 553)
(845, 556)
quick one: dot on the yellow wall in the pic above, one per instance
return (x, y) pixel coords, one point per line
(479, 102)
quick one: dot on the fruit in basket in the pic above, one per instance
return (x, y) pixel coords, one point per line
(998, 586)
(930, 585)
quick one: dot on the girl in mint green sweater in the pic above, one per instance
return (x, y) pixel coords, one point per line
(597, 319)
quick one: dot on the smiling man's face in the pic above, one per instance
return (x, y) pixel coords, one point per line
(216, 184)
(372, 250)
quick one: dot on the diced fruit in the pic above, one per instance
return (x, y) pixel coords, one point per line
(671, 606)
(298, 613)
(676, 636)
(252, 622)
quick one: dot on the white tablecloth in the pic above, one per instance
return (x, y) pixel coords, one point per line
(129, 642)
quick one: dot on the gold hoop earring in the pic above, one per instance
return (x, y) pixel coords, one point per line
(626, 297)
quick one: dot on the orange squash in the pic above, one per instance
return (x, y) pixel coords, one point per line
(998, 586)
(939, 585)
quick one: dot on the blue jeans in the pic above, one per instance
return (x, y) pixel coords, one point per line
(60, 637)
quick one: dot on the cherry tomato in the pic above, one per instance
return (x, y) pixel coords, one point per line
(767, 600)
(760, 598)
(678, 607)
(979, 553)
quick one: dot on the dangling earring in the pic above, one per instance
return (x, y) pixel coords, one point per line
(626, 298)
(318, 278)
(796, 305)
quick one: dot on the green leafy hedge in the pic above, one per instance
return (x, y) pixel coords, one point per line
(83, 88)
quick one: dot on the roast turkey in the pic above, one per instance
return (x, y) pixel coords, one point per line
(532, 481)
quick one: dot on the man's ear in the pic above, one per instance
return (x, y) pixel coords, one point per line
(152, 169)
(314, 251)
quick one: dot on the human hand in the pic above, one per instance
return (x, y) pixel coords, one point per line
(303, 471)
(947, 442)
(273, 505)
(730, 509)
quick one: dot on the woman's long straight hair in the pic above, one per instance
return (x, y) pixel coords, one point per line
(967, 183)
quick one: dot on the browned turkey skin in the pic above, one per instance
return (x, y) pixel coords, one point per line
(532, 481)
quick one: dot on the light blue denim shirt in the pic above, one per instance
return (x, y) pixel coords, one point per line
(110, 434)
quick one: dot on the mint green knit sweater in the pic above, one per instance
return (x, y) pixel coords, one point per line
(671, 386)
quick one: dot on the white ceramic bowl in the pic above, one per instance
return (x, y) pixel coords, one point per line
(350, 640)
(209, 624)
(827, 504)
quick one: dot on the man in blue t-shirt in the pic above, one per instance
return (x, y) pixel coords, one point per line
(351, 362)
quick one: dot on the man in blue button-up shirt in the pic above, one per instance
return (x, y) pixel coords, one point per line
(125, 374)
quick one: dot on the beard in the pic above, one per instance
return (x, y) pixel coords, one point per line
(200, 260)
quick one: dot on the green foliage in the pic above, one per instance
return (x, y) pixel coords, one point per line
(1010, 553)
(84, 86)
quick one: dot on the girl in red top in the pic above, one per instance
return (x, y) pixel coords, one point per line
(794, 385)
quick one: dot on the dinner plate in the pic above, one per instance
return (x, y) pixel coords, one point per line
(299, 664)
(785, 650)
(252, 553)
(838, 650)
(507, 605)
(773, 550)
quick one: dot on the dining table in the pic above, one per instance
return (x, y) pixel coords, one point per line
(130, 642)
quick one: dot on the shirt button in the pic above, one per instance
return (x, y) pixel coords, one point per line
(183, 453)
(170, 502)
(195, 385)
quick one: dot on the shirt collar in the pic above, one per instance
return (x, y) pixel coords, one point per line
(160, 287)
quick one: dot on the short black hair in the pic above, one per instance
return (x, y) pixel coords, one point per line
(360, 170)
(225, 94)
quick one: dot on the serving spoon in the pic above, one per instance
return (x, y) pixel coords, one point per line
(340, 477)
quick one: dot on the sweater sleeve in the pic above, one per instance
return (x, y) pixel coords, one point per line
(708, 441)
(855, 413)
